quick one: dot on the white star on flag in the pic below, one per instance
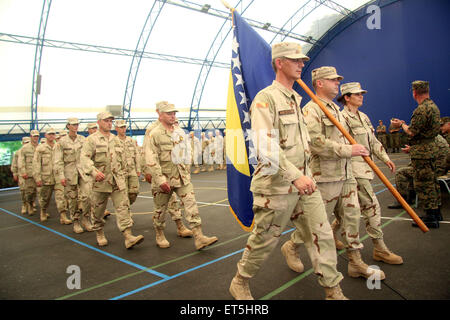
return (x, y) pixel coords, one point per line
(244, 98)
(239, 80)
(235, 45)
(246, 118)
(236, 63)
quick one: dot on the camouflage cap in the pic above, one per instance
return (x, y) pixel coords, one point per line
(43, 140)
(63, 133)
(167, 107)
(289, 50)
(351, 87)
(160, 104)
(34, 133)
(444, 120)
(26, 140)
(420, 86)
(120, 123)
(92, 125)
(50, 130)
(73, 121)
(104, 115)
(325, 73)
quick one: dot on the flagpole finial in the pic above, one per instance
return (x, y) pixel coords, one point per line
(226, 4)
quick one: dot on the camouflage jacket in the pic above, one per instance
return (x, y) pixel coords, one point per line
(106, 155)
(14, 163)
(163, 146)
(67, 159)
(25, 160)
(145, 150)
(442, 155)
(43, 164)
(362, 131)
(425, 125)
(283, 152)
(381, 130)
(133, 156)
(331, 152)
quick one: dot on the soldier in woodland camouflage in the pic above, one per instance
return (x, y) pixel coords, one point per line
(282, 185)
(422, 131)
(362, 131)
(381, 134)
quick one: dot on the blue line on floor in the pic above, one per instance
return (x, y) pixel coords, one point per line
(89, 246)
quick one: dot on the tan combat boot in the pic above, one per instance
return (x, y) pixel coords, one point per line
(77, 227)
(63, 218)
(161, 240)
(101, 239)
(201, 241)
(182, 231)
(131, 240)
(290, 252)
(334, 293)
(211, 168)
(335, 227)
(24, 209)
(382, 253)
(30, 209)
(86, 223)
(239, 288)
(34, 207)
(203, 169)
(357, 267)
(196, 170)
(43, 216)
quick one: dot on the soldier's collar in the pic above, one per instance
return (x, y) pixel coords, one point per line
(289, 93)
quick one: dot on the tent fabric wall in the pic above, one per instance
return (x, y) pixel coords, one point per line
(412, 44)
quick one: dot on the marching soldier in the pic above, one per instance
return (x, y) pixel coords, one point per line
(103, 158)
(196, 150)
(60, 197)
(69, 174)
(362, 131)
(169, 177)
(43, 173)
(16, 176)
(282, 184)
(331, 166)
(133, 160)
(422, 131)
(381, 134)
(218, 145)
(25, 164)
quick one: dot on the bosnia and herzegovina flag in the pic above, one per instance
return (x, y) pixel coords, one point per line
(251, 71)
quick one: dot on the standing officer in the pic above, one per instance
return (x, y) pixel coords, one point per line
(282, 184)
(169, 176)
(25, 164)
(395, 137)
(362, 131)
(43, 173)
(68, 172)
(103, 158)
(133, 160)
(16, 176)
(381, 134)
(422, 131)
(331, 166)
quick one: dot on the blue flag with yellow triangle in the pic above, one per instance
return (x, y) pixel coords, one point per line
(251, 71)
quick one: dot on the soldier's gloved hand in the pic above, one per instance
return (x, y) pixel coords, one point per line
(148, 177)
(406, 149)
(391, 166)
(305, 185)
(100, 176)
(359, 150)
(165, 187)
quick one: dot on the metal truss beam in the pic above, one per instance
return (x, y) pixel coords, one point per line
(36, 85)
(337, 7)
(107, 50)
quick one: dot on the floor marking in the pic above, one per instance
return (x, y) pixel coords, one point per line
(87, 245)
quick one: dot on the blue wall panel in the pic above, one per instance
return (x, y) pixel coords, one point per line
(412, 44)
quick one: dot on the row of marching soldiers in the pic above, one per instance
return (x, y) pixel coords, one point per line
(208, 153)
(85, 172)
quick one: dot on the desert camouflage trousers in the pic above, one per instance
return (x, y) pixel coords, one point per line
(133, 188)
(341, 198)
(121, 205)
(166, 202)
(30, 191)
(307, 213)
(425, 182)
(45, 195)
(370, 208)
(60, 198)
(85, 198)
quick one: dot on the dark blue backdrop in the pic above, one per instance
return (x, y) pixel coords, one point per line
(412, 44)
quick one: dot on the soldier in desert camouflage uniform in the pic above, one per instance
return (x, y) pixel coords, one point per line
(60, 197)
(16, 176)
(331, 166)
(422, 131)
(170, 175)
(362, 131)
(282, 184)
(196, 151)
(103, 158)
(69, 174)
(25, 165)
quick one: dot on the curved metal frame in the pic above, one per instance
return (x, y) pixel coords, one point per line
(150, 22)
(37, 63)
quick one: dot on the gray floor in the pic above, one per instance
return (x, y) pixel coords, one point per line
(35, 256)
